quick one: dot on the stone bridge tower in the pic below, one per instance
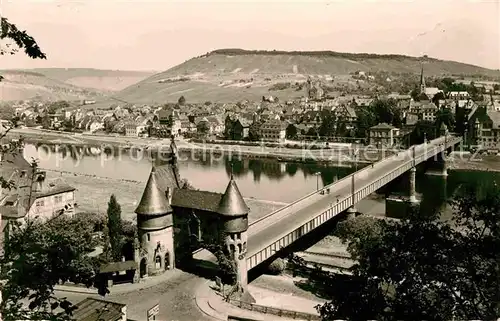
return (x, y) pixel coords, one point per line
(154, 227)
(234, 219)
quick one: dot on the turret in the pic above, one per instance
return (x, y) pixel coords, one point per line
(234, 215)
(154, 228)
(233, 209)
(154, 207)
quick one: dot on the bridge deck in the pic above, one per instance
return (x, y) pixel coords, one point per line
(274, 231)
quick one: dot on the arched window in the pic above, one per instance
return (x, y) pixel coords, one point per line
(158, 262)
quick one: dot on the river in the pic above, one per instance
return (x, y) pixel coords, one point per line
(257, 178)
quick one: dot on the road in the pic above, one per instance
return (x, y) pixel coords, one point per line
(270, 229)
(175, 297)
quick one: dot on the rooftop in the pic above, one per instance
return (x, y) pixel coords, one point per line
(92, 309)
(383, 126)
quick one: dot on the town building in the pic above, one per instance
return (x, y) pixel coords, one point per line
(459, 95)
(273, 130)
(383, 135)
(31, 196)
(488, 130)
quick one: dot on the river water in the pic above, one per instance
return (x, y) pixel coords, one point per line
(256, 178)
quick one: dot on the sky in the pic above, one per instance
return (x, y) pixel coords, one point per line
(159, 34)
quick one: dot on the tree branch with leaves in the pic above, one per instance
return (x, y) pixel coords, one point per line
(21, 39)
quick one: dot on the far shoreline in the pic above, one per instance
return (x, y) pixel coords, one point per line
(285, 155)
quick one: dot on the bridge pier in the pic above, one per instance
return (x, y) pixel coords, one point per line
(413, 183)
(439, 165)
(351, 212)
(443, 164)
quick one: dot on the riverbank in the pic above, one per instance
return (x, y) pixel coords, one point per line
(471, 162)
(93, 193)
(330, 156)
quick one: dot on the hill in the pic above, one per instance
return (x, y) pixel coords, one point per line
(234, 74)
(66, 84)
(103, 80)
(22, 85)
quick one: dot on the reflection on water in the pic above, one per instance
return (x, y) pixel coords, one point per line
(262, 179)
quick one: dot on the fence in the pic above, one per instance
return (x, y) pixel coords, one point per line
(274, 311)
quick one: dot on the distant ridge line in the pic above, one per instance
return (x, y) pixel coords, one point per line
(321, 53)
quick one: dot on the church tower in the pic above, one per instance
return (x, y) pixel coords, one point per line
(234, 215)
(154, 227)
(422, 80)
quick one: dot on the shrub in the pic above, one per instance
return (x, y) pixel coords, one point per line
(280, 86)
(277, 266)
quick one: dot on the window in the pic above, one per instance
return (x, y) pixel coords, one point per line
(158, 262)
(149, 237)
(58, 199)
(40, 203)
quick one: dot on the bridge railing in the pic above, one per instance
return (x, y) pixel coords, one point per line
(366, 189)
(258, 224)
(350, 199)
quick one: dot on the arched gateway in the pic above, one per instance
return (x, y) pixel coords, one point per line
(173, 222)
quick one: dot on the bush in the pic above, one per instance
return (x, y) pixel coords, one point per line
(277, 266)
(280, 86)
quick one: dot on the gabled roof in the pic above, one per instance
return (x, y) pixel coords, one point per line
(154, 200)
(495, 118)
(199, 200)
(382, 126)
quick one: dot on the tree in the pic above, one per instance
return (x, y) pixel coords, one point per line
(203, 127)
(115, 229)
(328, 126)
(424, 129)
(7, 112)
(39, 255)
(58, 105)
(21, 38)
(181, 101)
(444, 115)
(312, 132)
(379, 111)
(437, 97)
(421, 267)
(254, 132)
(415, 93)
(227, 266)
(291, 131)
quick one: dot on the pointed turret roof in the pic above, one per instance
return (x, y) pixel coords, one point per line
(153, 201)
(232, 203)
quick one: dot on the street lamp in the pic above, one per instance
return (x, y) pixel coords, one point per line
(317, 180)
(356, 155)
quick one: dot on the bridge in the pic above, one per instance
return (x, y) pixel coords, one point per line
(277, 230)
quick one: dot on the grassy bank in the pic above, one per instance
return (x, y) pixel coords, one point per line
(93, 194)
